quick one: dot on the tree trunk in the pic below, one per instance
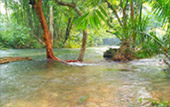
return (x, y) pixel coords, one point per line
(124, 53)
(140, 14)
(47, 36)
(83, 47)
(51, 23)
(55, 31)
(68, 29)
(124, 14)
(133, 21)
(6, 10)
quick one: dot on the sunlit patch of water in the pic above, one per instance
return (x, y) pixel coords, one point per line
(148, 62)
(81, 64)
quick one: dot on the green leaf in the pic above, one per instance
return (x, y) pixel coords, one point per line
(94, 20)
(83, 98)
(140, 100)
(79, 25)
(124, 3)
(85, 24)
(80, 19)
(114, 2)
(97, 21)
(157, 39)
(91, 21)
(102, 10)
(100, 15)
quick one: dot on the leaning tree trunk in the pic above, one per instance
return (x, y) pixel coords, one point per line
(84, 40)
(47, 36)
(68, 29)
(83, 47)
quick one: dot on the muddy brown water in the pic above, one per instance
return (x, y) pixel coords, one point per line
(96, 83)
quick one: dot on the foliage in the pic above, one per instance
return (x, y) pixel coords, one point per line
(21, 25)
(83, 98)
(161, 8)
(92, 18)
(15, 36)
(156, 103)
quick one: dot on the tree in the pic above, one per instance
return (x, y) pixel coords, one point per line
(130, 27)
(128, 30)
(84, 39)
(51, 23)
(47, 36)
(68, 29)
(161, 8)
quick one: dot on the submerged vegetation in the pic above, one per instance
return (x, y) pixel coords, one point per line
(156, 103)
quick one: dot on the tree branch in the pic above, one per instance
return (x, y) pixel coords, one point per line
(114, 10)
(38, 39)
(71, 5)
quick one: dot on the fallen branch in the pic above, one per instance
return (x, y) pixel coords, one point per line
(38, 39)
(13, 59)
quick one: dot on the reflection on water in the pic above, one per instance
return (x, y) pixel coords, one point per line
(40, 83)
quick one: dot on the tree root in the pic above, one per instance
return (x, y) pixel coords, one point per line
(63, 61)
(73, 60)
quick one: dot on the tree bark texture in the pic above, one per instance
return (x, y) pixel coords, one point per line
(68, 29)
(83, 47)
(133, 20)
(51, 23)
(47, 36)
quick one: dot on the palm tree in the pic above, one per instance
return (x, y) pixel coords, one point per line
(162, 9)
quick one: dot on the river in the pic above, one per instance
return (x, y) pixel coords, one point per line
(95, 83)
